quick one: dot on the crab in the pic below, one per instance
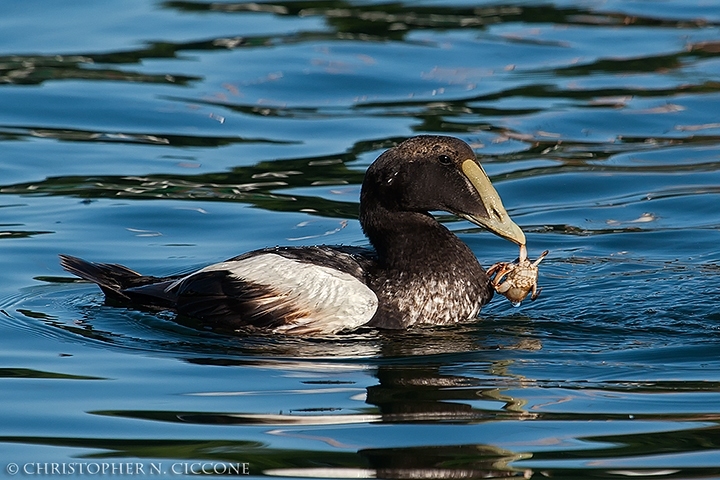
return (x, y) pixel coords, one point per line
(515, 280)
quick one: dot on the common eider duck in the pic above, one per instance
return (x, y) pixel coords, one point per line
(417, 273)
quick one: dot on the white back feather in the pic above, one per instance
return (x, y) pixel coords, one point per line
(333, 300)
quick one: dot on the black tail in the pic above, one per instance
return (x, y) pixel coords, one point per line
(116, 281)
(112, 277)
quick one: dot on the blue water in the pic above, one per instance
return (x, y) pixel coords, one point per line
(169, 135)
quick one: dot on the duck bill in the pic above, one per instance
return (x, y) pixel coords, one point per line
(497, 219)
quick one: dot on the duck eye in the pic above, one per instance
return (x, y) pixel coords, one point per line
(445, 159)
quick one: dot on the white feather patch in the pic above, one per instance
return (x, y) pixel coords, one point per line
(333, 300)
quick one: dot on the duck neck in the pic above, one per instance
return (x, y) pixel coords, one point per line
(413, 241)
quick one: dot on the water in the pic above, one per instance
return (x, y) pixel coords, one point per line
(166, 136)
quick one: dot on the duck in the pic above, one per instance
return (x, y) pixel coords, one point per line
(416, 272)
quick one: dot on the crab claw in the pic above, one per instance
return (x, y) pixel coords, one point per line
(540, 258)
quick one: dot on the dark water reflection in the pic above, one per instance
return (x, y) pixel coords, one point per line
(169, 135)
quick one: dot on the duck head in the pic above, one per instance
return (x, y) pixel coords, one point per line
(430, 173)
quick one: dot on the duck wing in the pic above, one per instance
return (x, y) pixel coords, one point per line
(318, 290)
